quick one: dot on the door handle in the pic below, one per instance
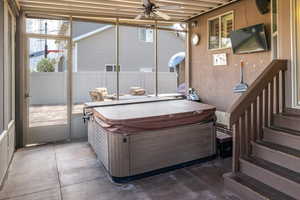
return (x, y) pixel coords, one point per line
(27, 95)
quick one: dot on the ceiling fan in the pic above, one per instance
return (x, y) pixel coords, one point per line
(150, 9)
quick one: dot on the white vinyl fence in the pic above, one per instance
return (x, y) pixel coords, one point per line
(47, 88)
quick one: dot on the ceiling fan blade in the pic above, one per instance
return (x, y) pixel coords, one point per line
(146, 2)
(162, 15)
(174, 7)
(138, 17)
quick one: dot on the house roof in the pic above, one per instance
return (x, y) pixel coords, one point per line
(124, 9)
(89, 34)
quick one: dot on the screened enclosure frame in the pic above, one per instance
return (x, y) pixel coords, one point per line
(116, 22)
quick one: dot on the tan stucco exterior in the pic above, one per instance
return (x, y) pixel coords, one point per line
(215, 83)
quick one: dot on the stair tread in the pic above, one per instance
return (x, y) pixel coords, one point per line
(290, 110)
(274, 168)
(284, 130)
(293, 111)
(277, 147)
(260, 187)
(289, 115)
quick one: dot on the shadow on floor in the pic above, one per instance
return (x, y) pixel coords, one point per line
(70, 171)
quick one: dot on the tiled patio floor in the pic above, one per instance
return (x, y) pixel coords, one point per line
(70, 171)
(47, 115)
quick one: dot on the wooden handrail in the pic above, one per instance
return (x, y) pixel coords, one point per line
(255, 89)
(255, 108)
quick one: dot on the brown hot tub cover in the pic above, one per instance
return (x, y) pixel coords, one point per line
(139, 117)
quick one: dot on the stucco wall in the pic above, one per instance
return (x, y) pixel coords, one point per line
(215, 83)
(96, 51)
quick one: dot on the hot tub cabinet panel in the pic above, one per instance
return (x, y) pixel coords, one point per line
(167, 147)
(125, 155)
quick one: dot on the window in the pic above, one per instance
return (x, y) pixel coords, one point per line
(110, 68)
(219, 31)
(146, 35)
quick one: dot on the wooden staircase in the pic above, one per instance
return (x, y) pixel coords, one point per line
(266, 156)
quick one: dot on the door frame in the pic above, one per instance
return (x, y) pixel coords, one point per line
(294, 60)
(67, 39)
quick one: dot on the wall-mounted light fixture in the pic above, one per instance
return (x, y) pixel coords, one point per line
(194, 24)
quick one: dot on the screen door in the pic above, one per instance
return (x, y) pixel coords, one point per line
(47, 90)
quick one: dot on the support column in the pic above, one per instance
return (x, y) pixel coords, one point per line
(187, 58)
(155, 58)
(118, 57)
(70, 80)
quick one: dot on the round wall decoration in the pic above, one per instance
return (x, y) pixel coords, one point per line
(195, 39)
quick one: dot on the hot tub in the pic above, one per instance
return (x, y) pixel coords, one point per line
(138, 138)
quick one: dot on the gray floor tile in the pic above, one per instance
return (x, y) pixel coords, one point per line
(101, 189)
(76, 169)
(63, 165)
(39, 172)
(73, 144)
(33, 159)
(34, 152)
(26, 183)
(82, 174)
(211, 173)
(178, 184)
(74, 151)
(53, 194)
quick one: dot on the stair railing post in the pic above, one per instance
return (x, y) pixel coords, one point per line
(282, 91)
(236, 148)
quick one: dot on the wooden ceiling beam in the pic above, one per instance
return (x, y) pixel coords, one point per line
(119, 3)
(67, 3)
(173, 2)
(139, 4)
(207, 4)
(214, 1)
(110, 20)
(102, 10)
(187, 9)
(15, 7)
(162, 25)
(83, 12)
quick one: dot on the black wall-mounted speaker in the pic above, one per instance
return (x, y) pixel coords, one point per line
(263, 6)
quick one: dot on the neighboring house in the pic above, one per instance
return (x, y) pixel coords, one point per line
(80, 28)
(95, 50)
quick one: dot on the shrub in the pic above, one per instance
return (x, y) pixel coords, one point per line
(46, 65)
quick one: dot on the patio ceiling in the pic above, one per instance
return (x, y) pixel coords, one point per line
(126, 9)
